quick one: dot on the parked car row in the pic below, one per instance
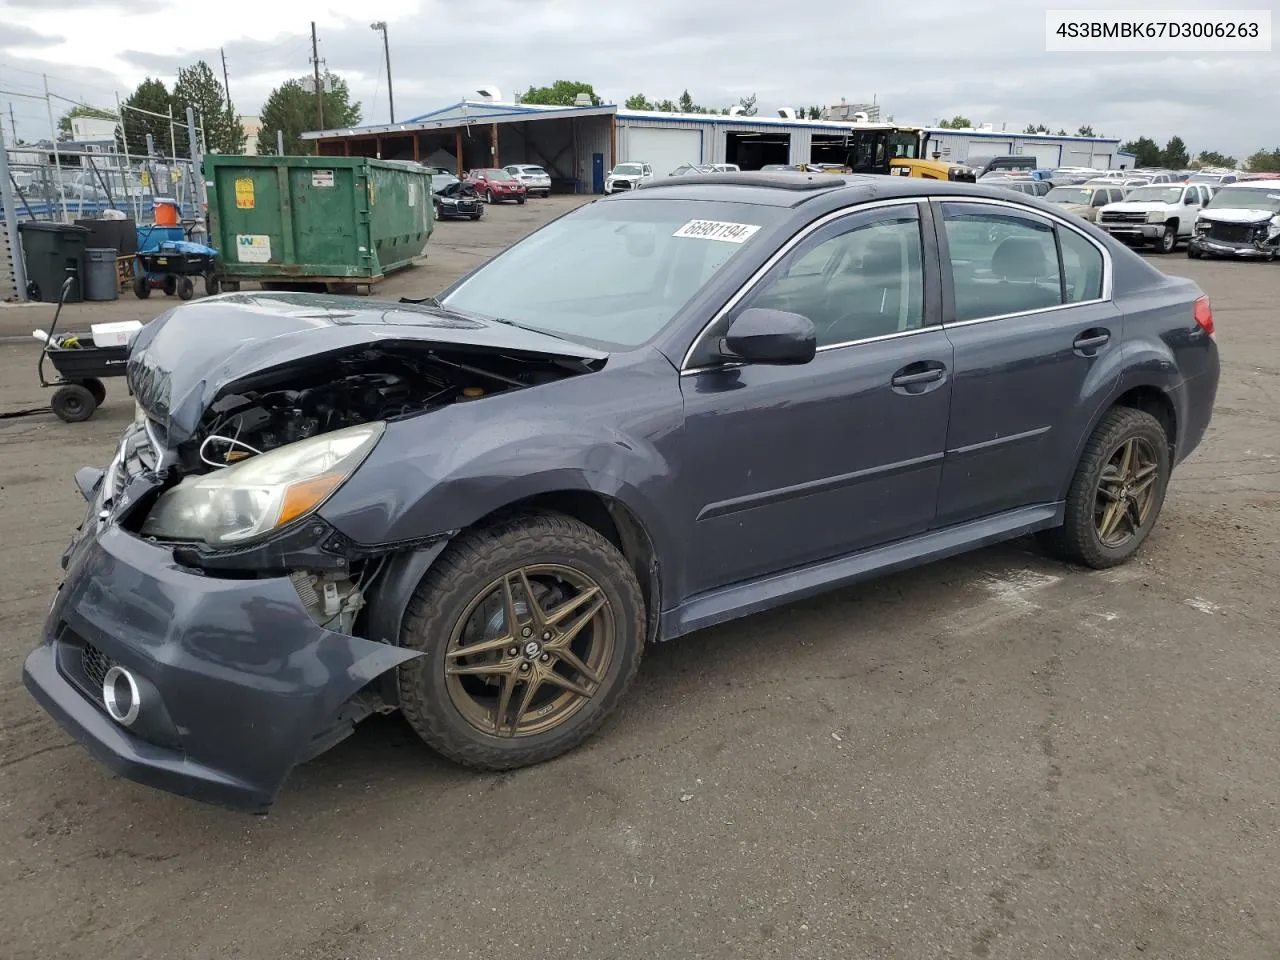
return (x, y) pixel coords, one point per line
(516, 181)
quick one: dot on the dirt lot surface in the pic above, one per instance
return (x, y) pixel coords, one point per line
(996, 756)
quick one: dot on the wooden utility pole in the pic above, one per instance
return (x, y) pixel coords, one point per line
(226, 83)
(315, 61)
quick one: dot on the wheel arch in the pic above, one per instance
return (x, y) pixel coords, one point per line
(1148, 396)
(614, 520)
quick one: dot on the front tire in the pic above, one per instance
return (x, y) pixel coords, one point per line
(1117, 491)
(488, 197)
(1193, 253)
(504, 683)
(1168, 241)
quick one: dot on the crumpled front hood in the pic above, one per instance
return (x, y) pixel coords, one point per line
(185, 359)
(1231, 215)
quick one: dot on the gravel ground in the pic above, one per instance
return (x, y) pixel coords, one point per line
(996, 756)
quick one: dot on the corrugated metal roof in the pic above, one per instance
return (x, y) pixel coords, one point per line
(463, 113)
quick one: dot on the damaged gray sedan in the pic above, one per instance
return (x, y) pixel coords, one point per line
(662, 411)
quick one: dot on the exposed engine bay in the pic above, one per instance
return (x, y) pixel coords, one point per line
(331, 393)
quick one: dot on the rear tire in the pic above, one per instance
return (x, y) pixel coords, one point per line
(1193, 253)
(141, 286)
(1079, 540)
(186, 288)
(465, 717)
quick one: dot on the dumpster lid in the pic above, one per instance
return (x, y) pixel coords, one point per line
(46, 226)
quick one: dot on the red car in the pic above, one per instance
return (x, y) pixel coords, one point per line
(494, 185)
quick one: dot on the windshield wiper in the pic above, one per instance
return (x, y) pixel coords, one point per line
(521, 326)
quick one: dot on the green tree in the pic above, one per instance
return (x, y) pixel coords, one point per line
(562, 93)
(1036, 128)
(748, 105)
(64, 121)
(814, 113)
(153, 97)
(1265, 161)
(1175, 154)
(957, 122)
(1062, 132)
(1086, 131)
(1146, 152)
(198, 88)
(291, 109)
(685, 103)
(638, 101)
(1211, 158)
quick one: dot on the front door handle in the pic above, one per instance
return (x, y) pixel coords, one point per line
(909, 377)
(1091, 339)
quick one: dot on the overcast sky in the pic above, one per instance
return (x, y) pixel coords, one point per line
(921, 60)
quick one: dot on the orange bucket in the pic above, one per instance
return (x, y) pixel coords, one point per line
(166, 212)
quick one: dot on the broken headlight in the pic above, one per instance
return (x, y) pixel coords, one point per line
(256, 496)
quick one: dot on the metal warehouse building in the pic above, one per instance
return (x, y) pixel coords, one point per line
(1049, 151)
(578, 145)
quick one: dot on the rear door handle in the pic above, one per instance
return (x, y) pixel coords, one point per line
(1091, 339)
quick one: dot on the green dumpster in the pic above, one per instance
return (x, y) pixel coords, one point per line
(339, 221)
(52, 252)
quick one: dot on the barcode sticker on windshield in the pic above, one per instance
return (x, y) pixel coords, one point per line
(717, 230)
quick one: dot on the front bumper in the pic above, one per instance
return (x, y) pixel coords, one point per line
(1134, 231)
(1225, 248)
(237, 684)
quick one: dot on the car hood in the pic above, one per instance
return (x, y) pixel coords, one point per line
(1079, 208)
(182, 361)
(1236, 215)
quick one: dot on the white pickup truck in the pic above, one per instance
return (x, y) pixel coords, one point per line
(1162, 213)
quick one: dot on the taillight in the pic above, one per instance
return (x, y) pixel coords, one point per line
(1204, 315)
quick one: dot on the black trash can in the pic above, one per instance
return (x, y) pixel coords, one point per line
(101, 281)
(49, 249)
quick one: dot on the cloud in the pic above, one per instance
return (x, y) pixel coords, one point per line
(16, 37)
(922, 61)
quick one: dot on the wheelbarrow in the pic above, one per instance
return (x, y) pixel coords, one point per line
(81, 365)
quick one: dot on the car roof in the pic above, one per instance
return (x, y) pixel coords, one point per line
(786, 189)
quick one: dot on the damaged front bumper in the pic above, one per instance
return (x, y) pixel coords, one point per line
(1251, 250)
(211, 688)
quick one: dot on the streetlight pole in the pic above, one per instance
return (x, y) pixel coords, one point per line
(381, 26)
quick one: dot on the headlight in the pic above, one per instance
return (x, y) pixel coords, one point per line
(1202, 226)
(252, 498)
(1156, 217)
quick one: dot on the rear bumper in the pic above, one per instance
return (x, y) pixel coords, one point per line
(237, 684)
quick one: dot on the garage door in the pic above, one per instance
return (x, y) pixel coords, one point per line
(665, 149)
(1076, 159)
(989, 148)
(1047, 156)
(1102, 161)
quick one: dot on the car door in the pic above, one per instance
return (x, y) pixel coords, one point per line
(788, 465)
(1026, 306)
(1191, 203)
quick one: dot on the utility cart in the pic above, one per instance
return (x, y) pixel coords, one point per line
(81, 364)
(173, 267)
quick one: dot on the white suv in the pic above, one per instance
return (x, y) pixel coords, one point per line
(628, 176)
(536, 180)
(1163, 214)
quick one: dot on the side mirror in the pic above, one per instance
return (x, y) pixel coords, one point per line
(759, 335)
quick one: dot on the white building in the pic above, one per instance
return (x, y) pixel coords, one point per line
(1050, 151)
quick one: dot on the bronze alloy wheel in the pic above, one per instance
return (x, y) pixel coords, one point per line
(530, 650)
(1126, 492)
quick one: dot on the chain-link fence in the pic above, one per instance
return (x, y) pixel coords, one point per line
(67, 186)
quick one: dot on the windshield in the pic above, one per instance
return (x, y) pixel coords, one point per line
(1245, 198)
(534, 170)
(612, 274)
(627, 169)
(496, 175)
(1155, 194)
(904, 145)
(1069, 195)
